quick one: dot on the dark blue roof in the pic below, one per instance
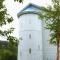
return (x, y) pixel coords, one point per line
(31, 8)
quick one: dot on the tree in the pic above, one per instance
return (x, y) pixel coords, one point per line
(19, 0)
(8, 52)
(51, 16)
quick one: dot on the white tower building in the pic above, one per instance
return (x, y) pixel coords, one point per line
(34, 44)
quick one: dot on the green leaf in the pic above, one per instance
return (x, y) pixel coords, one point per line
(19, 0)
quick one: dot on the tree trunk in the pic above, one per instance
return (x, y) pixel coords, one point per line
(57, 49)
(58, 45)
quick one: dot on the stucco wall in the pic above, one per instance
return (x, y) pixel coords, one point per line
(29, 24)
(49, 51)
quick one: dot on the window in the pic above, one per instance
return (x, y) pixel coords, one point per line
(20, 38)
(29, 21)
(29, 36)
(38, 47)
(20, 53)
(30, 50)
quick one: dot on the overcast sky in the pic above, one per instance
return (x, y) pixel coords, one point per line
(15, 7)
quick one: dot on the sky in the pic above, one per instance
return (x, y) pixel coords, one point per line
(15, 7)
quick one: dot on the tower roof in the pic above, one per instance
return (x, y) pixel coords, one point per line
(31, 8)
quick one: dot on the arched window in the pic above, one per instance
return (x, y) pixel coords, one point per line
(20, 53)
(29, 36)
(38, 47)
(29, 50)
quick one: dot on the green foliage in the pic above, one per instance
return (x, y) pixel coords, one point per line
(1, 4)
(19, 0)
(3, 15)
(8, 52)
(6, 33)
(51, 16)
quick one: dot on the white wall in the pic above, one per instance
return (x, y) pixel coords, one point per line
(30, 25)
(39, 44)
(49, 51)
(29, 22)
